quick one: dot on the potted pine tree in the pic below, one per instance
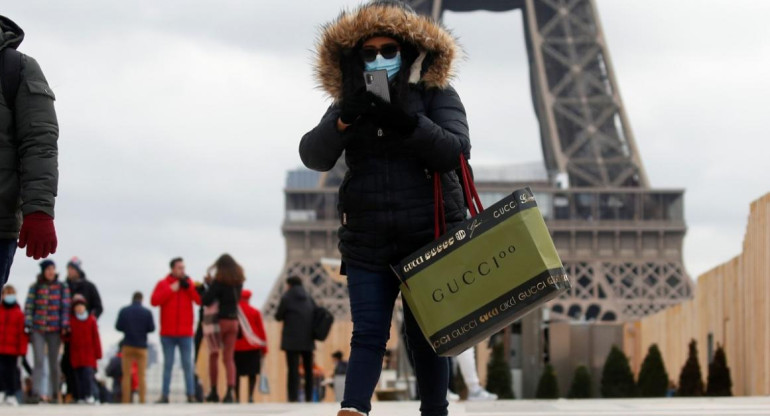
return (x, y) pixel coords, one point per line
(617, 378)
(653, 379)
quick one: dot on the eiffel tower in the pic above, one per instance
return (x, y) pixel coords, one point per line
(620, 240)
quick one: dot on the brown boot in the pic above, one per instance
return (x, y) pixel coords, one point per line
(350, 412)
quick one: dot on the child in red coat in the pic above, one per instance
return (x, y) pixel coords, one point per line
(13, 344)
(85, 348)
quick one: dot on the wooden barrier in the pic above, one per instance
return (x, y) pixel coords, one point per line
(731, 307)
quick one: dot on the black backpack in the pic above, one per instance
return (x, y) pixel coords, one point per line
(10, 75)
(322, 322)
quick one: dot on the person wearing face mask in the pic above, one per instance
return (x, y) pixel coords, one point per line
(13, 345)
(85, 349)
(47, 319)
(392, 150)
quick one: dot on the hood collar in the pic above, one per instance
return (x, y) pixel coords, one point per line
(436, 45)
(11, 34)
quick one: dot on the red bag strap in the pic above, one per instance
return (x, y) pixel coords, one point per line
(471, 194)
(472, 199)
(439, 225)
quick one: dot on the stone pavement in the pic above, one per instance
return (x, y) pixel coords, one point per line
(642, 407)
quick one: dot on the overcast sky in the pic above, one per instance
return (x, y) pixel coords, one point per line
(179, 120)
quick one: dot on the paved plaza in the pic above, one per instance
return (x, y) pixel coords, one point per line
(659, 407)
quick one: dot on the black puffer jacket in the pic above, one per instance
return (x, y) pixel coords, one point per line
(386, 200)
(29, 170)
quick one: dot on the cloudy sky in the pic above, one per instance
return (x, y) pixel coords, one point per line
(179, 120)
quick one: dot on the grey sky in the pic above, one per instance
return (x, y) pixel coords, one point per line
(180, 118)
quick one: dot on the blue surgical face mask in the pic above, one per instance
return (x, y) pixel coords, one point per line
(392, 65)
(9, 299)
(82, 316)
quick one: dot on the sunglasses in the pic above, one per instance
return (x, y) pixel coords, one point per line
(388, 51)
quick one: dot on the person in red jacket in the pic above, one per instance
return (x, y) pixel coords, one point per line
(248, 357)
(13, 344)
(85, 348)
(175, 295)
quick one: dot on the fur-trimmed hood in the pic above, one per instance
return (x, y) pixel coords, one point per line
(437, 47)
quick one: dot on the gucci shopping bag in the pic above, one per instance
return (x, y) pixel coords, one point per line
(483, 274)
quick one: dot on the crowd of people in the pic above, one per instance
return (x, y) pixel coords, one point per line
(59, 320)
(402, 147)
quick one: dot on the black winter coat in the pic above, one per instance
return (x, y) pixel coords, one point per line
(386, 202)
(227, 296)
(296, 312)
(88, 290)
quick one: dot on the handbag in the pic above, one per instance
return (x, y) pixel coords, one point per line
(483, 274)
(210, 327)
(322, 322)
(264, 383)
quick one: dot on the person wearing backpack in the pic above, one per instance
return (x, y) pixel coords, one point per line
(296, 310)
(29, 172)
(394, 150)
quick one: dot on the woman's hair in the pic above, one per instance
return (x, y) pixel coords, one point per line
(228, 271)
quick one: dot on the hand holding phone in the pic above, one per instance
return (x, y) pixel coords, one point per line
(377, 83)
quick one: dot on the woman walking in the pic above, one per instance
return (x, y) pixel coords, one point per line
(226, 292)
(47, 319)
(392, 149)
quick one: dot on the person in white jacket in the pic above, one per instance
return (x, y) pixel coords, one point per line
(467, 363)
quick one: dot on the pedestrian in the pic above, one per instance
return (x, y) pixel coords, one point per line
(201, 288)
(392, 152)
(340, 365)
(114, 370)
(296, 312)
(135, 322)
(13, 346)
(466, 361)
(248, 357)
(28, 153)
(76, 280)
(226, 292)
(47, 320)
(175, 295)
(79, 285)
(85, 348)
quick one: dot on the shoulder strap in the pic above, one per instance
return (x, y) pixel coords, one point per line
(10, 75)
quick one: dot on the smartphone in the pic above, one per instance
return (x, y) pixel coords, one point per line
(377, 83)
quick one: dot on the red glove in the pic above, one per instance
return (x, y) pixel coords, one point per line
(38, 235)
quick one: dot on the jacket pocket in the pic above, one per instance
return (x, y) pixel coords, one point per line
(341, 198)
(41, 88)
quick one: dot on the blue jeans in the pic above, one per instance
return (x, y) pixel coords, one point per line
(372, 296)
(7, 251)
(185, 345)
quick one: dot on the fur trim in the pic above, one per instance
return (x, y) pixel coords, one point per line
(432, 40)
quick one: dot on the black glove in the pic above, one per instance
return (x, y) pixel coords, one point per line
(354, 106)
(184, 282)
(393, 116)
